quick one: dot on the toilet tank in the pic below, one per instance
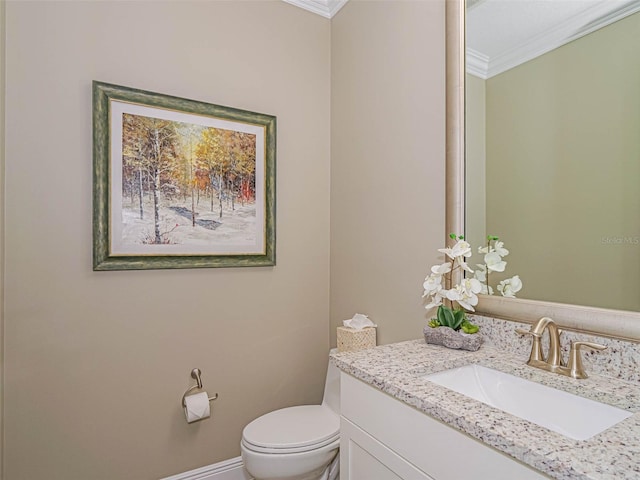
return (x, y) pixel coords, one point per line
(332, 387)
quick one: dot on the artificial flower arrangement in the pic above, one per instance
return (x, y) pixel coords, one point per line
(454, 300)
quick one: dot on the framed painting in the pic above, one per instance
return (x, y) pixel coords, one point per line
(179, 183)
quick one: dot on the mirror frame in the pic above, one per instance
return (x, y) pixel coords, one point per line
(620, 324)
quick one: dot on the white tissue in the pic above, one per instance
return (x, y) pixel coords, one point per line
(197, 407)
(358, 322)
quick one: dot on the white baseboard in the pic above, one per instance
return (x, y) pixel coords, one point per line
(232, 469)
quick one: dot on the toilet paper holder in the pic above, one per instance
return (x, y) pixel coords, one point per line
(196, 374)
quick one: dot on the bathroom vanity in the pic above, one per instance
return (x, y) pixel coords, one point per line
(385, 439)
(395, 424)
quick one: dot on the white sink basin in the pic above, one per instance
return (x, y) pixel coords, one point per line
(570, 415)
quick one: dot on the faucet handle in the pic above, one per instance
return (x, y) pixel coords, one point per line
(528, 332)
(575, 359)
(535, 357)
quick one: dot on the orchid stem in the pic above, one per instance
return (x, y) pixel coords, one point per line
(486, 268)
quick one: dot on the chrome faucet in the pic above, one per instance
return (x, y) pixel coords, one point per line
(553, 362)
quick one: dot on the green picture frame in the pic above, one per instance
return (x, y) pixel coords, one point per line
(179, 183)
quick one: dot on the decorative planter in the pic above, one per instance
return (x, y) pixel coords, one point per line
(449, 338)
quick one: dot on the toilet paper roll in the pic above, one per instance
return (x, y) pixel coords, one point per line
(197, 407)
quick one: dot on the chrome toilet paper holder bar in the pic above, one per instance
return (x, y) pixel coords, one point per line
(196, 374)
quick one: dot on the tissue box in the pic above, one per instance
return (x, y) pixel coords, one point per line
(351, 340)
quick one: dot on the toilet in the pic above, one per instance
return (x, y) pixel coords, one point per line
(296, 443)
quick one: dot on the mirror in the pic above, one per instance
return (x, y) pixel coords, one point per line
(571, 314)
(552, 150)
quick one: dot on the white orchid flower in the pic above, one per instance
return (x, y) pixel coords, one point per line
(455, 293)
(436, 298)
(466, 293)
(460, 249)
(468, 304)
(436, 301)
(441, 269)
(494, 262)
(500, 250)
(486, 290)
(432, 285)
(481, 273)
(471, 285)
(511, 286)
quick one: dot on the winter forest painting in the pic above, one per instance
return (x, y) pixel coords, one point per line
(187, 183)
(180, 183)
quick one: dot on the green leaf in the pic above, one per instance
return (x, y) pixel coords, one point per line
(452, 236)
(450, 320)
(446, 317)
(468, 327)
(459, 318)
(434, 323)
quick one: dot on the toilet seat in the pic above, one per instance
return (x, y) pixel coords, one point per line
(292, 430)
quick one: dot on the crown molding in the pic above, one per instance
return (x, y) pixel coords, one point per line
(325, 8)
(550, 39)
(477, 64)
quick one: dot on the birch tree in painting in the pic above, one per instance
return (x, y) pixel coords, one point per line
(211, 159)
(134, 161)
(157, 139)
(187, 179)
(241, 176)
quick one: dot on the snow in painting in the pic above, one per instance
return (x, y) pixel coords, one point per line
(185, 184)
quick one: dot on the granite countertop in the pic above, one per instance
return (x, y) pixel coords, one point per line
(397, 370)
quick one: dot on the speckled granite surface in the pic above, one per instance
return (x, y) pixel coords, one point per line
(397, 370)
(620, 360)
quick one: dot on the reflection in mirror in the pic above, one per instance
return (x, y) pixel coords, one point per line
(552, 145)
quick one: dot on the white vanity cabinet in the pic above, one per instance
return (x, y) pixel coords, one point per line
(384, 439)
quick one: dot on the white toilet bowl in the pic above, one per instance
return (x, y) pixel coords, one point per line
(296, 443)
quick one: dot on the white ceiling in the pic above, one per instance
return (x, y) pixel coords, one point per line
(502, 34)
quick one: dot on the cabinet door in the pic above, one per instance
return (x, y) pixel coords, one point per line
(362, 457)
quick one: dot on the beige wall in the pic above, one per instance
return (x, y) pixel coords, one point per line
(475, 165)
(387, 161)
(563, 175)
(96, 362)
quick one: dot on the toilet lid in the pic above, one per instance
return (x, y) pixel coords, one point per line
(294, 428)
